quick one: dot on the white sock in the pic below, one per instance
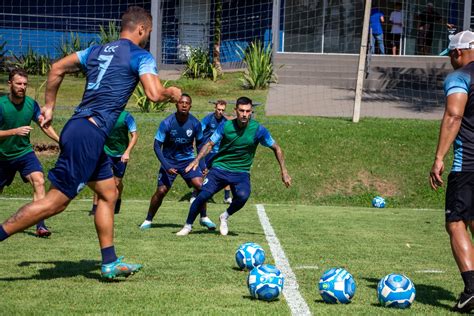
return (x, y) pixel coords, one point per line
(205, 218)
(225, 215)
(146, 222)
(188, 226)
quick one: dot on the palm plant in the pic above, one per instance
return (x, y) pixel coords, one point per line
(258, 60)
(145, 104)
(112, 33)
(199, 66)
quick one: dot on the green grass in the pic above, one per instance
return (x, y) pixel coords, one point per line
(197, 274)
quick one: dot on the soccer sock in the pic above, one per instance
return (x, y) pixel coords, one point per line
(468, 278)
(94, 208)
(226, 215)
(149, 217)
(226, 194)
(117, 206)
(188, 226)
(239, 200)
(108, 255)
(197, 205)
(3, 234)
(41, 224)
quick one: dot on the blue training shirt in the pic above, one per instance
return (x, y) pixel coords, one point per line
(130, 122)
(460, 81)
(113, 71)
(177, 138)
(375, 22)
(209, 125)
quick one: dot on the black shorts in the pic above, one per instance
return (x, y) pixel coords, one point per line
(460, 197)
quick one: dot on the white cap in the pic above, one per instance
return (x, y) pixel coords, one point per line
(462, 40)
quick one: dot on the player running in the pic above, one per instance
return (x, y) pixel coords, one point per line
(238, 139)
(16, 152)
(174, 148)
(112, 73)
(118, 147)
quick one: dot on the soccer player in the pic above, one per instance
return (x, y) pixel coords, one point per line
(16, 152)
(174, 148)
(238, 139)
(118, 147)
(112, 73)
(209, 125)
(457, 126)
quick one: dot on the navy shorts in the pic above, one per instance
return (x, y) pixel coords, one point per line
(82, 158)
(118, 167)
(167, 179)
(460, 197)
(217, 179)
(25, 165)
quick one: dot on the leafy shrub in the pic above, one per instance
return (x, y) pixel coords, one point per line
(258, 60)
(145, 104)
(199, 65)
(32, 62)
(72, 45)
(112, 33)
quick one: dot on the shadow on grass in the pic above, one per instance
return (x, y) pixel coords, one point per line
(425, 294)
(163, 225)
(60, 270)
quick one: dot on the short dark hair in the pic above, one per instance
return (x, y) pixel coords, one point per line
(243, 100)
(17, 71)
(187, 95)
(134, 16)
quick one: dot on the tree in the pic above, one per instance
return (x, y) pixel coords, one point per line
(216, 51)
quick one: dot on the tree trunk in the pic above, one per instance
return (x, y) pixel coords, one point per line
(216, 51)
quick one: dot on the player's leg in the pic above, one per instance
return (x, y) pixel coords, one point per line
(165, 181)
(459, 214)
(36, 179)
(227, 196)
(119, 185)
(240, 186)
(205, 221)
(119, 168)
(53, 203)
(94, 205)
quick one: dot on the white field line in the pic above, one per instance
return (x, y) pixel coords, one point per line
(295, 301)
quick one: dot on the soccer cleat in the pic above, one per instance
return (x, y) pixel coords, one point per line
(145, 225)
(465, 304)
(42, 232)
(207, 223)
(119, 268)
(223, 228)
(184, 231)
(228, 200)
(191, 200)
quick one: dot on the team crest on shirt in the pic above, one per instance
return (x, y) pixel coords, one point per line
(173, 132)
(189, 132)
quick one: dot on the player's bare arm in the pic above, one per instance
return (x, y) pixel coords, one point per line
(285, 177)
(450, 125)
(50, 132)
(19, 131)
(131, 144)
(202, 153)
(59, 69)
(155, 91)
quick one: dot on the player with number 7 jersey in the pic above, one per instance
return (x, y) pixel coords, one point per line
(112, 72)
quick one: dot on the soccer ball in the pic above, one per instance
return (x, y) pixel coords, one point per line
(396, 290)
(265, 282)
(249, 255)
(337, 286)
(378, 202)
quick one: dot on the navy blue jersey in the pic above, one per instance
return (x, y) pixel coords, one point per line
(113, 71)
(209, 124)
(460, 82)
(178, 138)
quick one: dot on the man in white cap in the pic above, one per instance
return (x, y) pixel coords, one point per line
(457, 126)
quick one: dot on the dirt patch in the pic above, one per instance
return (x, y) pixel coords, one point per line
(364, 181)
(44, 149)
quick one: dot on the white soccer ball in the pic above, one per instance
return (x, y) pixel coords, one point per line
(337, 286)
(249, 255)
(265, 282)
(378, 202)
(396, 290)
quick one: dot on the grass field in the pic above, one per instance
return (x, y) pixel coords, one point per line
(197, 274)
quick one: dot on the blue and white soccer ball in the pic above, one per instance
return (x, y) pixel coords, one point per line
(265, 282)
(378, 202)
(337, 286)
(249, 255)
(396, 290)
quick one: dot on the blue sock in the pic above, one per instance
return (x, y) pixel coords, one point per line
(226, 194)
(93, 210)
(117, 206)
(41, 224)
(108, 255)
(3, 234)
(149, 217)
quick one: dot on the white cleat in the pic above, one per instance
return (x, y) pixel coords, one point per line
(223, 228)
(228, 200)
(184, 231)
